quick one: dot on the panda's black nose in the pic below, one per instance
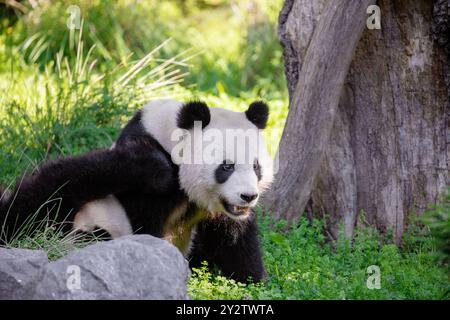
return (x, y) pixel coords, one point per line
(248, 197)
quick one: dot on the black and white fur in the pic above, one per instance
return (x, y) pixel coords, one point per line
(136, 187)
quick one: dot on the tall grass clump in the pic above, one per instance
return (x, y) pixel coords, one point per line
(50, 238)
(72, 106)
(237, 40)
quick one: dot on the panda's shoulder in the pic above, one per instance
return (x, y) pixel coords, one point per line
(158, 119)
(150, 126)
(134, 127)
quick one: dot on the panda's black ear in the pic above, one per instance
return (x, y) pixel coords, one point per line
(258, 114)
(193, 111)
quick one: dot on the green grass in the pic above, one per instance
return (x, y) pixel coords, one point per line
(236, 41)
(67, 92)
(50, 239)
(302, 265)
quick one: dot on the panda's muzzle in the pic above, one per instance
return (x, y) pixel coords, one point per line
(235, 210)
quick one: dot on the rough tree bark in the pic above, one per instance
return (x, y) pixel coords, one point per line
(314, 102)
(379, 146)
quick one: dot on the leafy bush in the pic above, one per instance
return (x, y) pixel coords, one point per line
(204, 285)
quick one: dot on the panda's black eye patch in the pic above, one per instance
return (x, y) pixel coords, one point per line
(224, 171)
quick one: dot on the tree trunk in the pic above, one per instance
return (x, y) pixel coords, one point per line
(379, 146)
(326, 62)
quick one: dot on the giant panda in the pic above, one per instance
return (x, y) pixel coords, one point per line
(184, 172)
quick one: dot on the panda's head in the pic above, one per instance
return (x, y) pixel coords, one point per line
(225, 165)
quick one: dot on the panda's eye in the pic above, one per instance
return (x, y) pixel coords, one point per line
(256, 165)
(227, 166)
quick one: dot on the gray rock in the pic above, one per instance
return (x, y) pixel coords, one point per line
(130, 267)
(18, 267)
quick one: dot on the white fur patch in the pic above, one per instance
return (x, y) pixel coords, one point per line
(107, 214)
(159, 119)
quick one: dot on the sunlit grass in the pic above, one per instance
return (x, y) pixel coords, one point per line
(73, 107)
(49, 236)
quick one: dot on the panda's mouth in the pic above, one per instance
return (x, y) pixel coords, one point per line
(237, 211)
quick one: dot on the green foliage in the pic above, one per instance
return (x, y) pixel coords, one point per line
(65, 91)
(236, 41)
(438, 220)
(73, 107)
(302, 265)
(204, 285)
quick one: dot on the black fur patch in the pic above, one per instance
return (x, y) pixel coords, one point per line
(258, 114)
(222, 175)
(193, 111)
(132, 130)
(233, 248)
(257, 169)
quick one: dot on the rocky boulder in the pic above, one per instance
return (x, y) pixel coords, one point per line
(18, 267)
(130, 267)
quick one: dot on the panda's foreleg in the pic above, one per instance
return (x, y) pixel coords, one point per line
(231, 246)
(59, 188)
